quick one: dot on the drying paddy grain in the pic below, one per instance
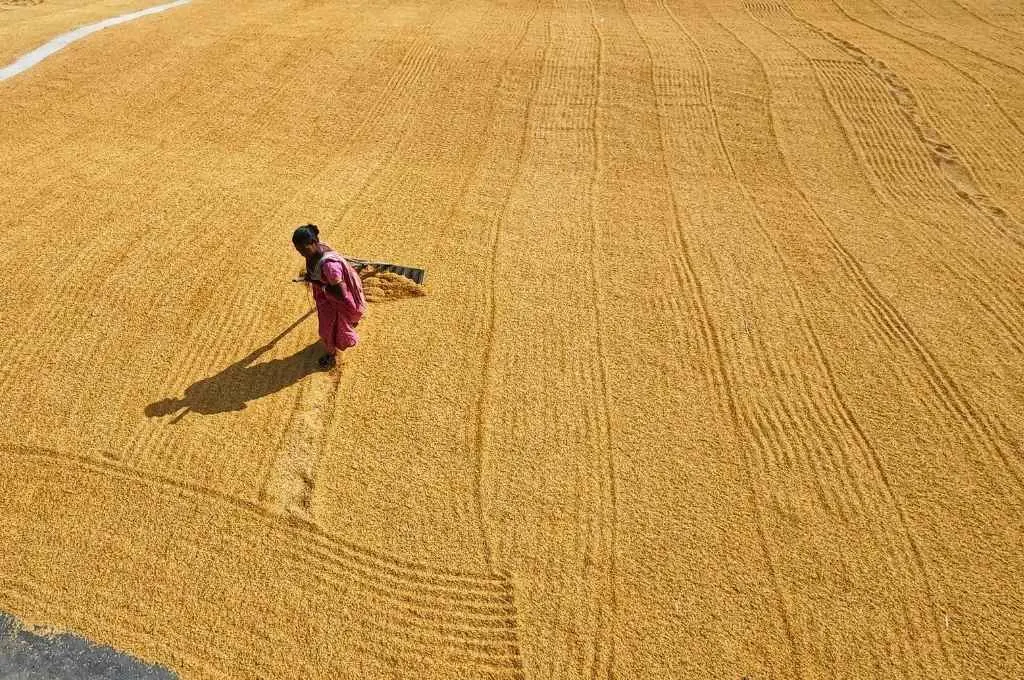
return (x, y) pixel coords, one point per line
(385, 286)
(719, 373)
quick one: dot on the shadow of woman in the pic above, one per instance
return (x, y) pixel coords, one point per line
(242, 382)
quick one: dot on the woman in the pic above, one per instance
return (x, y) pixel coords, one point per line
(337, 290)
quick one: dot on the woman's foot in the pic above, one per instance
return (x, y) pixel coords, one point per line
(327, 361)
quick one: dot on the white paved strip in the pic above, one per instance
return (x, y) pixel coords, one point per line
(27, 61)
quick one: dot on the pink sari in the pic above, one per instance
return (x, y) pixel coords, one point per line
(339, 317)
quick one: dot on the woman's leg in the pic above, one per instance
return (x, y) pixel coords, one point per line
(328, 328)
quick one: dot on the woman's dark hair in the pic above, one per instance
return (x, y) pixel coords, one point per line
(307, 233)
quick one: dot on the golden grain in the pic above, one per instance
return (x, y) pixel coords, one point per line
(717, 374)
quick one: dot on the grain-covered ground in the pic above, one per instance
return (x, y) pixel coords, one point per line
(719, 374)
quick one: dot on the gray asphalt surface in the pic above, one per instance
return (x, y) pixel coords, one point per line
(25, 655)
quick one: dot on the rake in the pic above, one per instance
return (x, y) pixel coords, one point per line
(412, 273)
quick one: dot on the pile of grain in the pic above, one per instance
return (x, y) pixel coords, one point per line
(388, 286)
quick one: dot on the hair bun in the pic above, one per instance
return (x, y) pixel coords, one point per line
(315, 229)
